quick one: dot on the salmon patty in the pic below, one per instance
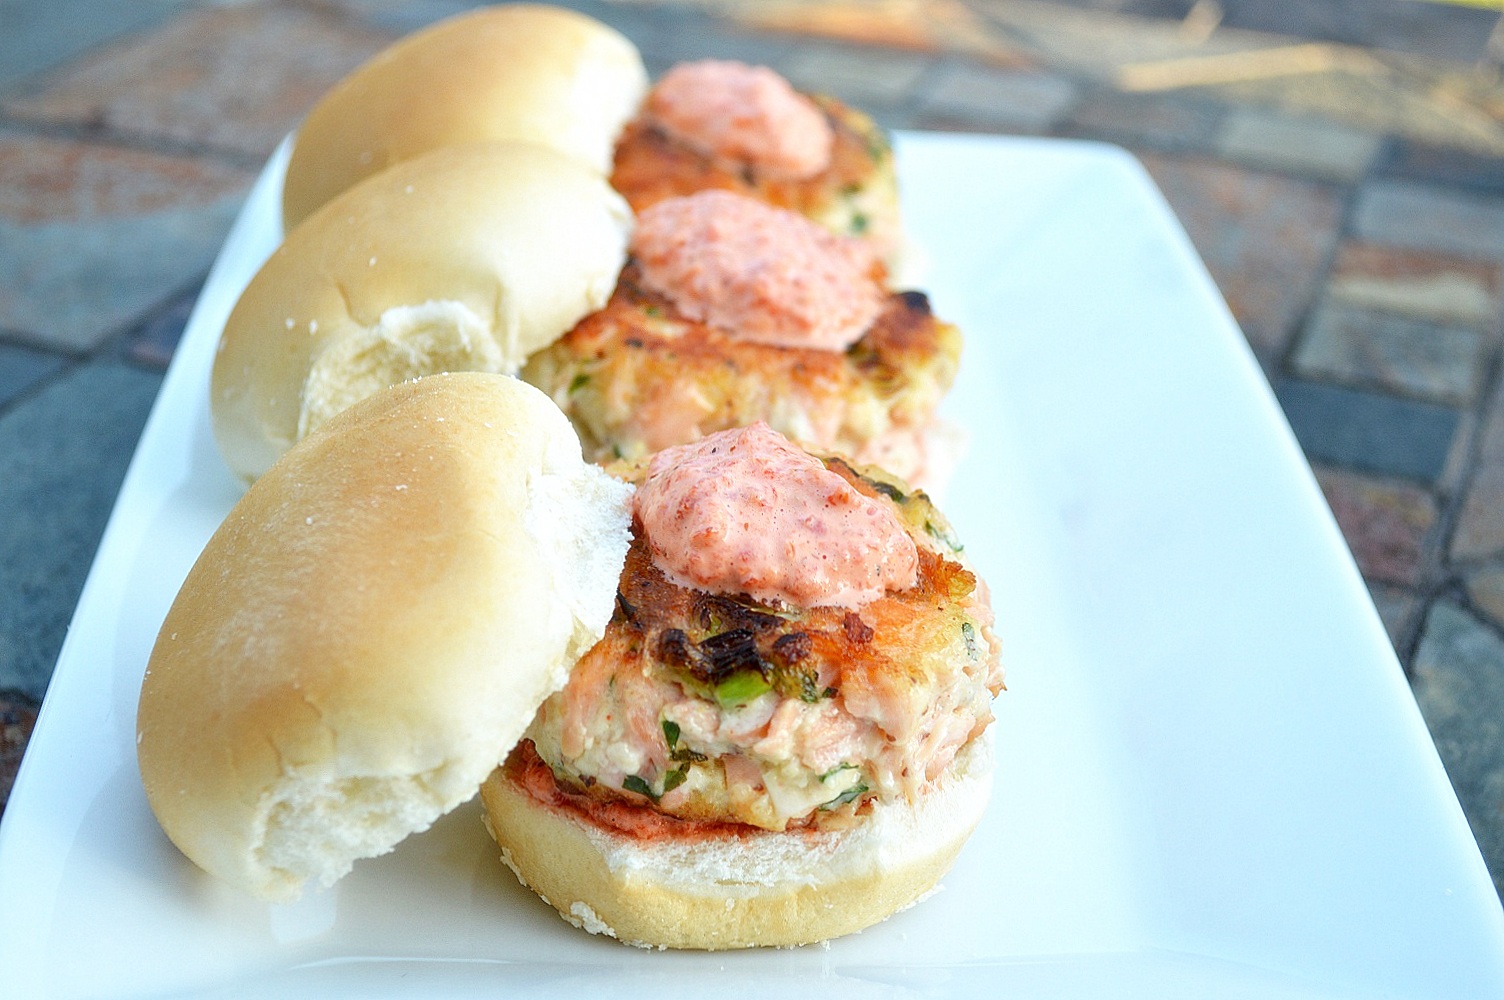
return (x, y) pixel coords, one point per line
(638, 376)
(855, 195)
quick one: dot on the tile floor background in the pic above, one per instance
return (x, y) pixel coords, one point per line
(1339, 165)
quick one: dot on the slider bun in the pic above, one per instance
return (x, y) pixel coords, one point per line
(518, 71)
(373, 627)
(467, 258)
(755, 888)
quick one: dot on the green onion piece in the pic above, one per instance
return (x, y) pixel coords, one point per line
(578, 382)
(836, 770)
(673, 779)
(849, 795)
(741, 688)
(942, 532)
(633, 783)
(671, 733)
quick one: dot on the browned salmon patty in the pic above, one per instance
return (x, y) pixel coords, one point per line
(857, 195)
(637, 377)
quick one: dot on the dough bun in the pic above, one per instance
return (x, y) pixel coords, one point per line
(469, 258)
(517, 71)
(752, 888)
(373, 627)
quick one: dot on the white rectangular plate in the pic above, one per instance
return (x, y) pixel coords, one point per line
(1213, 780)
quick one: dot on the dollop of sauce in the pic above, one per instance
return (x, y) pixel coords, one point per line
(730, 111)
(745, 511)
(759, 273)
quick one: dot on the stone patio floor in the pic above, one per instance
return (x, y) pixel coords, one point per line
(1340, 170)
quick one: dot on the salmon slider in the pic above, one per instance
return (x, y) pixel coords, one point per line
(782, 735)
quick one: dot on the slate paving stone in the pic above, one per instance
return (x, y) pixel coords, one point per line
(1310, 147)
(94, 235)
(18, 717)
(1396, 607)
(684, 36)
(1432, 29)
(1409, 159)
(153, 343)
(1101, 45)
(1163, 123)
(1005, 100)
(399, 17)
(633, 18)
(1458, 679)
(1385, 524)
(1486, 588)
(35, 37)
(1265, 239)
(231, 77)
(1440, 104)
(932, 26)
(63, 454)
(1430, 217)
(1395, 353)
(1430, 286)
(1480, 524)
(22, 368)
(868, 77)
(1369, 432)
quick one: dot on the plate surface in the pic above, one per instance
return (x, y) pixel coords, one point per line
(1213, 779)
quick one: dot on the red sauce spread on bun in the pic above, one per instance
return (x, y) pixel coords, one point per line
(745, 511)
(744, 114)
(761, 274)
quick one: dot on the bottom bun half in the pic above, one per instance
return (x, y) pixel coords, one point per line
(737, 887)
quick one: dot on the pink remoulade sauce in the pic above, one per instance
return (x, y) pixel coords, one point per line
(759, 273)
(745, 511)
(737, 113)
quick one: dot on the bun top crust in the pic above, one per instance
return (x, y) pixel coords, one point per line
(528, 72)
(468, 258)
(373, 627)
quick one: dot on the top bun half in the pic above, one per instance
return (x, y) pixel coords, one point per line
(527, 72)
(468, 258)
(373, 627)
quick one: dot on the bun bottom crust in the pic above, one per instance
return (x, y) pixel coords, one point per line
(744, 889)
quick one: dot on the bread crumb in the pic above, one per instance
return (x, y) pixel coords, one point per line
(587, 919)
